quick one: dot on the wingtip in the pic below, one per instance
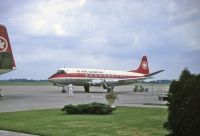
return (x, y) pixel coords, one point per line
(154, 73)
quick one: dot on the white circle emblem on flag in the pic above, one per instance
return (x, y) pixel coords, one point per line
(144, 65)
(3, 44)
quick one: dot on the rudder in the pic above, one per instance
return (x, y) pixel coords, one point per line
(143, 68)
(7, 62)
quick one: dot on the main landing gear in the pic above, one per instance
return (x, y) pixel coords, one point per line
(109, 88)
(87, 88)
(1, 96)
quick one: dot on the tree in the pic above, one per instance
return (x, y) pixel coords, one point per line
(184, 106)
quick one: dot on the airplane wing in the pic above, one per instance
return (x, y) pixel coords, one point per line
(154, 73)
(131, 80)
(117, 82)
(135, 80)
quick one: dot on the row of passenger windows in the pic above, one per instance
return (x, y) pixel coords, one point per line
(106, 76)
(79, 71)
(93, 75)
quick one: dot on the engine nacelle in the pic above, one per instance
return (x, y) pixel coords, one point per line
(96, 82)
(59, 85)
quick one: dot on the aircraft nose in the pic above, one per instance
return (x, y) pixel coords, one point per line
(51, 77)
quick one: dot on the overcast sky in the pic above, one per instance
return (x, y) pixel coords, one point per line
(111, 34)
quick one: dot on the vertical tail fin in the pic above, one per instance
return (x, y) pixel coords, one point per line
(143, 68)
(7, 62)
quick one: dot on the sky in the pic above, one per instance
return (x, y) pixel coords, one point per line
(111, 34)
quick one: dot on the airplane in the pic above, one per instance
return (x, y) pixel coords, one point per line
(7, 62)
(101, 77)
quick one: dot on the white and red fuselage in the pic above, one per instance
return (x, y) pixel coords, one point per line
(79, 76)
(101, 77)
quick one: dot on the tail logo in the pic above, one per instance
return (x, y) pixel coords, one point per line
(144, 65)
(3, 44)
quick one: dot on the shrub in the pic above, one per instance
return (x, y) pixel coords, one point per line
(91, 108)
(184, 106)
(71, 109)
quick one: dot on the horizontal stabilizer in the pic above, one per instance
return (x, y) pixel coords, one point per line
(154, 73)
(135, 80)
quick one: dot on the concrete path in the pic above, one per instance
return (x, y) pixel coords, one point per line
(8, 133)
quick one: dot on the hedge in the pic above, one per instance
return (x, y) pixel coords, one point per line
(91, 108)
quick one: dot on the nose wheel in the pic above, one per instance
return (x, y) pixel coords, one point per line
(64, 89)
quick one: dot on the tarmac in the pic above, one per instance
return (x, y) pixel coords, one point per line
(20, 98)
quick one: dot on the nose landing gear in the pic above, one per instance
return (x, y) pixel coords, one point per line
(64, 89)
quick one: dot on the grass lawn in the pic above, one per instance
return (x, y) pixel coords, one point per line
(125, 121)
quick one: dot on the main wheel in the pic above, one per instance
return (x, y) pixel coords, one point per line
(87, 88)
(110, 89)
(63, 91)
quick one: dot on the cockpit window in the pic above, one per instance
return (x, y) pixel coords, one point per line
(61, 72)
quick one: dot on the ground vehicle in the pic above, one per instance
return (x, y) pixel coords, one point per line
(138, 88)
(162, 95)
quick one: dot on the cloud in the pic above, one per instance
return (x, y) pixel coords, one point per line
(54, 17)
(186, 36)
(184, 23)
